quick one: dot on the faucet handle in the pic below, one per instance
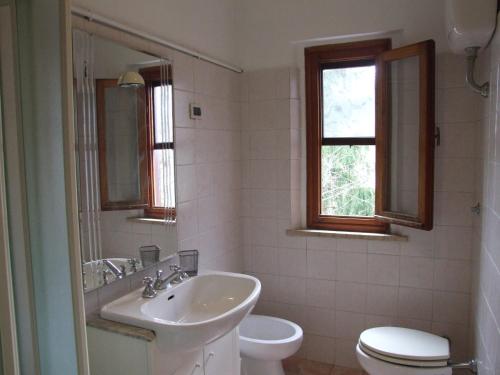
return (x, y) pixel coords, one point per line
(148, 291)
(175, 267)
(134, 262)
(159, 284)
(105, 274)
(148, 281)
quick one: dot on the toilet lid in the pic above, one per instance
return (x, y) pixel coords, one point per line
(404, 343)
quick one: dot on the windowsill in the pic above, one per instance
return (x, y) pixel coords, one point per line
(150, 220)
(348, 235)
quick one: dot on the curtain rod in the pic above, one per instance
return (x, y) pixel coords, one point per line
(77, 11)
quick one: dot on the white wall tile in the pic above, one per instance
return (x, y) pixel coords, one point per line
(384, 247)
(265, 259)
(350, 296)
(292, 290)
(320, 293)
(451, 307)
(416, 272)
(415, 303)
(351, 267)
(382, 300)
(453, 242)
(355, 246)
(349, 325)
(321, 264)
(321, 243)
(452, 275)
(383, 269)
(320, 348)
(320, 321)
(292, 262)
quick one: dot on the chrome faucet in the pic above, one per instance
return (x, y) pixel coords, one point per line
(149, 291)
(176, 277)
(119, 273)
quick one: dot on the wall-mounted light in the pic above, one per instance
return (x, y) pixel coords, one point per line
(131, 79)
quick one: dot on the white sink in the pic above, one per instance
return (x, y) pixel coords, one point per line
(189, 315)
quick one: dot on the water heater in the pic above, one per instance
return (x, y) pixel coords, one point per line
(470, 23)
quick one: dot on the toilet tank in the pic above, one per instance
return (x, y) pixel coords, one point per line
(470, 23)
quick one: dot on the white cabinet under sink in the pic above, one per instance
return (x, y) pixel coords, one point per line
(112, 353)
(223, 355)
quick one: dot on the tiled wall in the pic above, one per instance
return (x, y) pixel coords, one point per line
(486, 285)
(122, 237)
(335, 288)
(208, 162)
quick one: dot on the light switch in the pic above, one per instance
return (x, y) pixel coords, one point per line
(195, 111)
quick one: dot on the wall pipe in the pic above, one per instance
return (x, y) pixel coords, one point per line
(484, 89)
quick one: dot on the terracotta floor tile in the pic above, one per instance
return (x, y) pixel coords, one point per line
(300, 366)
(338, 370)
(291, 365)
(314, 368)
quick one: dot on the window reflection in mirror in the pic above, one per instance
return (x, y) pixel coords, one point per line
(125, 158)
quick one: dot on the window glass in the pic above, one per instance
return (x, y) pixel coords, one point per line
(348, 180)
(163, 169)
(349, 102)
(163, 113)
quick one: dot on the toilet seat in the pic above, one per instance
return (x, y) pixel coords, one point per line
(405, 346)
(375, 366)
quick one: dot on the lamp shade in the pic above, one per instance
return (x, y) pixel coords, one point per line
(131, 79)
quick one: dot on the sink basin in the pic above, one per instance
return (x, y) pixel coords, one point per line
(189, 315)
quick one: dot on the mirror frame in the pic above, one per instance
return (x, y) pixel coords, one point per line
(106, 203)
(425, 51)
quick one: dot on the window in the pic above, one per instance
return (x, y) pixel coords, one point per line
(352, 93)
(160, 142)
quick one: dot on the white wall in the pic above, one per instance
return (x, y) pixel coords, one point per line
(269, 29)
(486, 293)
(208, 26)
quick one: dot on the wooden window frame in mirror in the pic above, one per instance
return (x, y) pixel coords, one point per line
(106, 203)
(153, 77)
(425, 51)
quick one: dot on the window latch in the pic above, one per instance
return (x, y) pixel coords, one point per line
(437, 136)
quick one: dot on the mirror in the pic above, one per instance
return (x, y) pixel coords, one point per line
(125, 158)
(405, 138)
(122, 145)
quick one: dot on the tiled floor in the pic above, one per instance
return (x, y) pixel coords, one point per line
(298, 366)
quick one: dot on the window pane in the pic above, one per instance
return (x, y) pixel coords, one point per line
(348, 180)
(403, 169)
(349, 102)
(163, 178)
(163, 113)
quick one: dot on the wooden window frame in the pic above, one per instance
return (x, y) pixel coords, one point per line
(317, 59)
(106, 203)
(153, 78)
(425, 51)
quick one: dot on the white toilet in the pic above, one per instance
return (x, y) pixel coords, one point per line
(403, 351)
(265, 341)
